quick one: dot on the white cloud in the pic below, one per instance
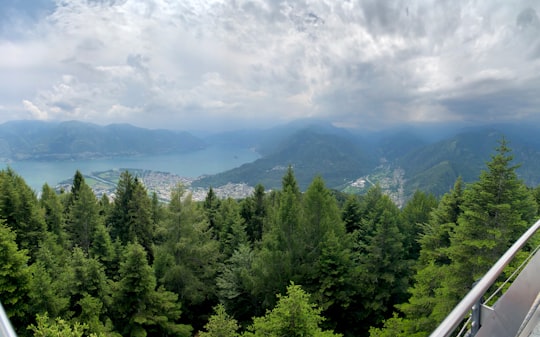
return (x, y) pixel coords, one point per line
(183, 63)
(35, 112)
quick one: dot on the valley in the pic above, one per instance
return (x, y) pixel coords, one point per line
(400, 162)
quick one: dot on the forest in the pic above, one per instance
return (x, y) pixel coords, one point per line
(277, 263)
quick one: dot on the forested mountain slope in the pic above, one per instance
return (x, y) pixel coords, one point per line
(311, 152)
(71, 140)
(427, 165)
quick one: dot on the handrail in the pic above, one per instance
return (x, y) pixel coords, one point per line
(6, 330)
(456, 316)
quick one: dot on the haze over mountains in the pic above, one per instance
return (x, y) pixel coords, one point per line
(400, 160)
(21, 140)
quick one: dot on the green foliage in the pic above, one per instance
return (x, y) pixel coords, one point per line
(139, 307)
(211, 205)
(131, 215)
(232, 227)
(382, 259)
(413, 216)
(235, 284)
(220, 324)
(83, 217)
(466, 234)
(20, 209)
(293, 315)
(46, 327)
(351, 215)
(54, 214)
(14, 276)
(128, 266)
(281, 252)
(254, 212)
(432, 266)
(496, 210)
(187, 262)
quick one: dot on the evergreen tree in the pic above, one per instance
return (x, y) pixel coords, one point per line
(293, 315)
(289, 182)
(432, 268)
(413, 216)
(497, 209)
(88, 290)
(59, 327)
(220, 324)
(211, 206)
(351, 213)
(337, 286)
(254, 211)
(20, 209)
(119, 218)
(83, 217)
(381, 257)
(54, 214)
(233, 229)
(188, 261)
(276, 263)
(47, 294)
(131, 215)
(14, 278)
(102, 248)
(235, 283)
(139, 308)
(78, 181)
(326, 268)
(141, 225)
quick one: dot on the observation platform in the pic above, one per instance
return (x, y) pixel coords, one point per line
(515, 313)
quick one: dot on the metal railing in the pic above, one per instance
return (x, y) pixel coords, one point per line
(6, 330)
(452, 321)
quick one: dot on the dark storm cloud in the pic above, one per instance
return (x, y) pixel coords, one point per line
(186, 63)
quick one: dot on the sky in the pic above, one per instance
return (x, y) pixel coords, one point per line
(232, 64)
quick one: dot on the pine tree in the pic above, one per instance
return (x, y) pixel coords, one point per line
(88, 290)
(119, 219)
(211, 206)
(497, 209)
(220, 324)
(351, 213)
(54, 214)
(254, 211)
(83, 217)
(139, 308)
(384, 266)
(233, 229)
(275, 264)
(235, 283)
(130, 218)
(20, 209)
(432, 267)
(78, 181)
(187, 262)
(14, 278)
(293, 315)
(413, 216)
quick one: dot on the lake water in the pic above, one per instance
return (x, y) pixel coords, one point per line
(208, 161)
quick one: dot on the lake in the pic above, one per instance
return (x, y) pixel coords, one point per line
(211, 160)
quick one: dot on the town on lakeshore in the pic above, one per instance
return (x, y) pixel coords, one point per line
(161, 183)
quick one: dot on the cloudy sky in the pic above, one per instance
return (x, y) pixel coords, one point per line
(195, 64)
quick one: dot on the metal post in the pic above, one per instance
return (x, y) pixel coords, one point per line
(475, 317)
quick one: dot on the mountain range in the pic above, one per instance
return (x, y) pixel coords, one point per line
(401, 161)
(21, 140)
